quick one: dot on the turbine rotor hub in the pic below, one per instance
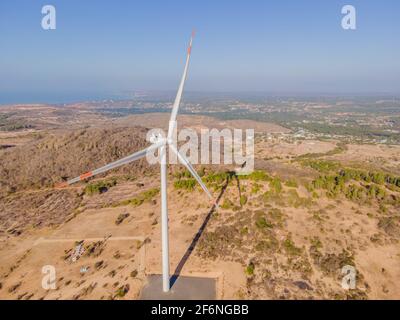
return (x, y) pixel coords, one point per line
(156, 138)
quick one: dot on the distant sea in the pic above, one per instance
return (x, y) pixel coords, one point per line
(61, 98)
(53, 98)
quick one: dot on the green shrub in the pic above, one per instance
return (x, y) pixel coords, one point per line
(217, 177)
(140, 199)
(243, 200)
(321, 165)
(122, 291)
(183, 174)
(262, 223)
(99, 186)
(275, 185)
(255, 188)
(290, 247)
(291, 184)
(250, 269)
(187, 184)
(227, 204)
(271, 196)
(259, 176)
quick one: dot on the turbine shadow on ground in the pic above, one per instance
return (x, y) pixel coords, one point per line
(196, 238)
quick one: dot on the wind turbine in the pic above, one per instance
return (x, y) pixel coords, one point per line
(160, 143)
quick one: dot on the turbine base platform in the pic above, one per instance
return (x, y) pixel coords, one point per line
(182, 288)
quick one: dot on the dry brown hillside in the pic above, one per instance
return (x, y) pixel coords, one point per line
(67, 154)
(29, 170)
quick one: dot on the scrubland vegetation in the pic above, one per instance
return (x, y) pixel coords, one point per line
(144, 196)
(251, 232)
(99, 186)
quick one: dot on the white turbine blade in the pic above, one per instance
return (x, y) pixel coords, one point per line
(134, 156)
(189, 166)
(175, 106)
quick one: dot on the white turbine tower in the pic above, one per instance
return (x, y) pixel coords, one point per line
(161, 144)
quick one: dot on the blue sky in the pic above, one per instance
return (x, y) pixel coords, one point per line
(102, 47)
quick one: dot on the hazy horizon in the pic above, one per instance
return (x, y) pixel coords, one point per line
(100, 51)
(65, 98)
